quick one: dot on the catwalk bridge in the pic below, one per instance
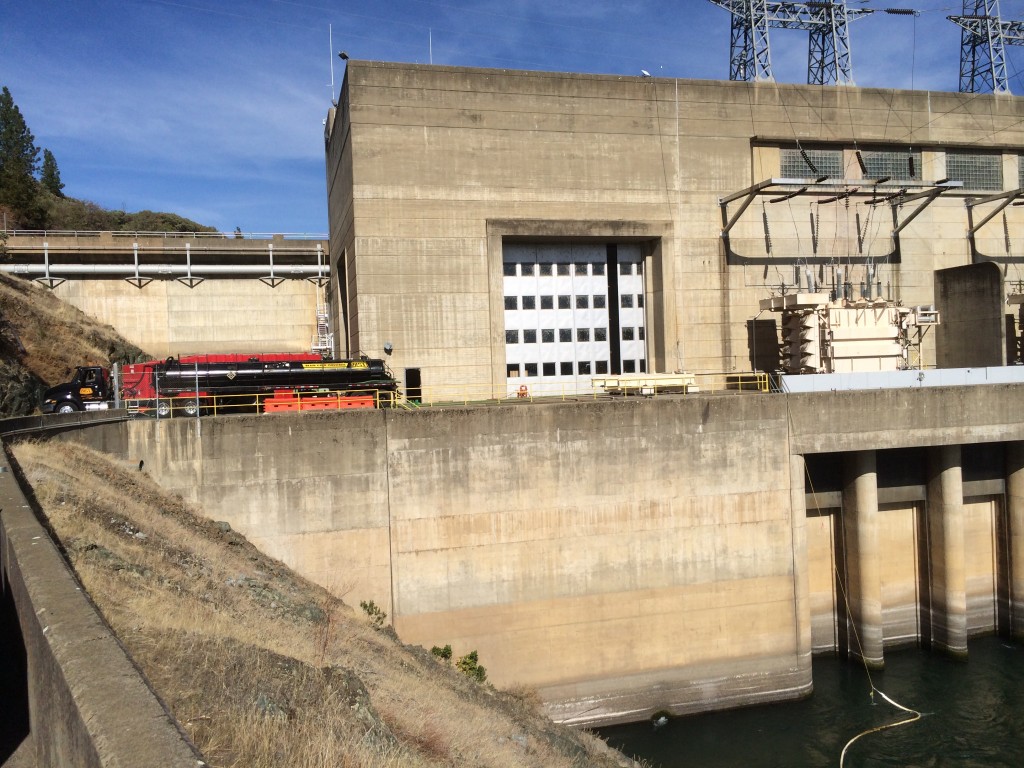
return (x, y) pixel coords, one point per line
(173, 293)
(188, 257)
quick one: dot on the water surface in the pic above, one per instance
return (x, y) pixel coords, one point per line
(973, 715)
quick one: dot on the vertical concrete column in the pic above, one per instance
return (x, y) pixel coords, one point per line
(801, 576)
(946, 550)
(1015, 519)
(863, 569)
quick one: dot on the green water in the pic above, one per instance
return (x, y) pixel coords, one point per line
(973, 716)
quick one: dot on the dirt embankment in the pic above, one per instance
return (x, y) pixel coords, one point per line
(43, 339)
(262, 668)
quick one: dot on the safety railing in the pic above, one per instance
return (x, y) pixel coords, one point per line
(35, 233)
(521, 390)
(278, 401)
(527, 389)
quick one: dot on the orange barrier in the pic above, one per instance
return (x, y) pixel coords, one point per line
(287, 400)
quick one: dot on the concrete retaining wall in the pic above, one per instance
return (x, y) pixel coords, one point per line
(88, 704)
(622, 557)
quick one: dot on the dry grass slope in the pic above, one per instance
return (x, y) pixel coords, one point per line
(259, 666)
(42, 339)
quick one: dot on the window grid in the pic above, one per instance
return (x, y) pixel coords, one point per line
(976, 170)
(827, 162)
(882, 164)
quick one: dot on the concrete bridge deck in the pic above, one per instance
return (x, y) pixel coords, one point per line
(164, 255)
(172, 293)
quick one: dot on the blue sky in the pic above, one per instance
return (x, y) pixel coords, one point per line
(214, 109)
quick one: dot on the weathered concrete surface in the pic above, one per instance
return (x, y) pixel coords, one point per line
(430, 168)
(972, 333)
(863, 565)
(903, 418)
(948, 598)
(88, 704)
(622, 557)
(1015, 519)
(540, 535)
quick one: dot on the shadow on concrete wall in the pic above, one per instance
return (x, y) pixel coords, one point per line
(14, 722)
(763, 345)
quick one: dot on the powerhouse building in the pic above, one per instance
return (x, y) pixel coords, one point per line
(496, 229)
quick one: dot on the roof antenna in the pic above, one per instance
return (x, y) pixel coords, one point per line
(330, 40)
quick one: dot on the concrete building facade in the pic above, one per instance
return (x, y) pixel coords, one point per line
(442, 180)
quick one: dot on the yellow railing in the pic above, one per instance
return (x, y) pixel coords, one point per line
(531, 390)
(260, 402)
(522, 390)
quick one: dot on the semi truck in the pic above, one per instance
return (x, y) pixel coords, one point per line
(227, 383)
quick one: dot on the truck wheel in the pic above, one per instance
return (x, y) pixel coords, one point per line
(67, 408)
(163, 409)
(190, 409)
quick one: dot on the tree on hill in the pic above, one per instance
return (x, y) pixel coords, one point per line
(50, 178)
(19, 162)
(28, 202)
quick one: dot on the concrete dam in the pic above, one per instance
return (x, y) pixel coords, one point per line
(636, 556)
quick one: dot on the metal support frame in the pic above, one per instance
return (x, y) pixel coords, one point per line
(1003, 201)
(270, 279)
(827, 21)
(49, 282)
(138, 281)
(319, 279)
(189, 279)
(983, 37)
(833, 190)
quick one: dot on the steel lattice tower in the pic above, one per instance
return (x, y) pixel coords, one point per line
(828, 60)
(983, 38)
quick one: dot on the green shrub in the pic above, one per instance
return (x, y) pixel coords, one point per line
(469, 666)
(377, 616)
(444, 654)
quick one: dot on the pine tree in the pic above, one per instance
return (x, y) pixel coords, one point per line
(50, 177)
(19, 161)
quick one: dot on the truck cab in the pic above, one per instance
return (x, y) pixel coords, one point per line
(89, 390)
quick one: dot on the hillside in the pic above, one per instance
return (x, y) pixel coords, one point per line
(260, 667)
(42, 340)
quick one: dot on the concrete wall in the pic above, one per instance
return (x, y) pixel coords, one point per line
(971, 301)
(168, 318)
(618, 557)
(433, 168)
(231, 310)
(87, 703)
(623, 556)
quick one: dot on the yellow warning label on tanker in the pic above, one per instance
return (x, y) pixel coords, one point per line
(335, 366)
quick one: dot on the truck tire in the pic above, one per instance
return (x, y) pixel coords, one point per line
(67, 407)
(163, 409)
(190, 408)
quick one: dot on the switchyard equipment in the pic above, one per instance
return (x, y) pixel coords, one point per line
(227, 383)
(822, 334)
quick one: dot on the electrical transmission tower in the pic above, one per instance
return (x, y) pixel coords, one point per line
(983, 37)
(828, 60)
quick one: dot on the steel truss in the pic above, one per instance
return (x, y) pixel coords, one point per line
(828, 61)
